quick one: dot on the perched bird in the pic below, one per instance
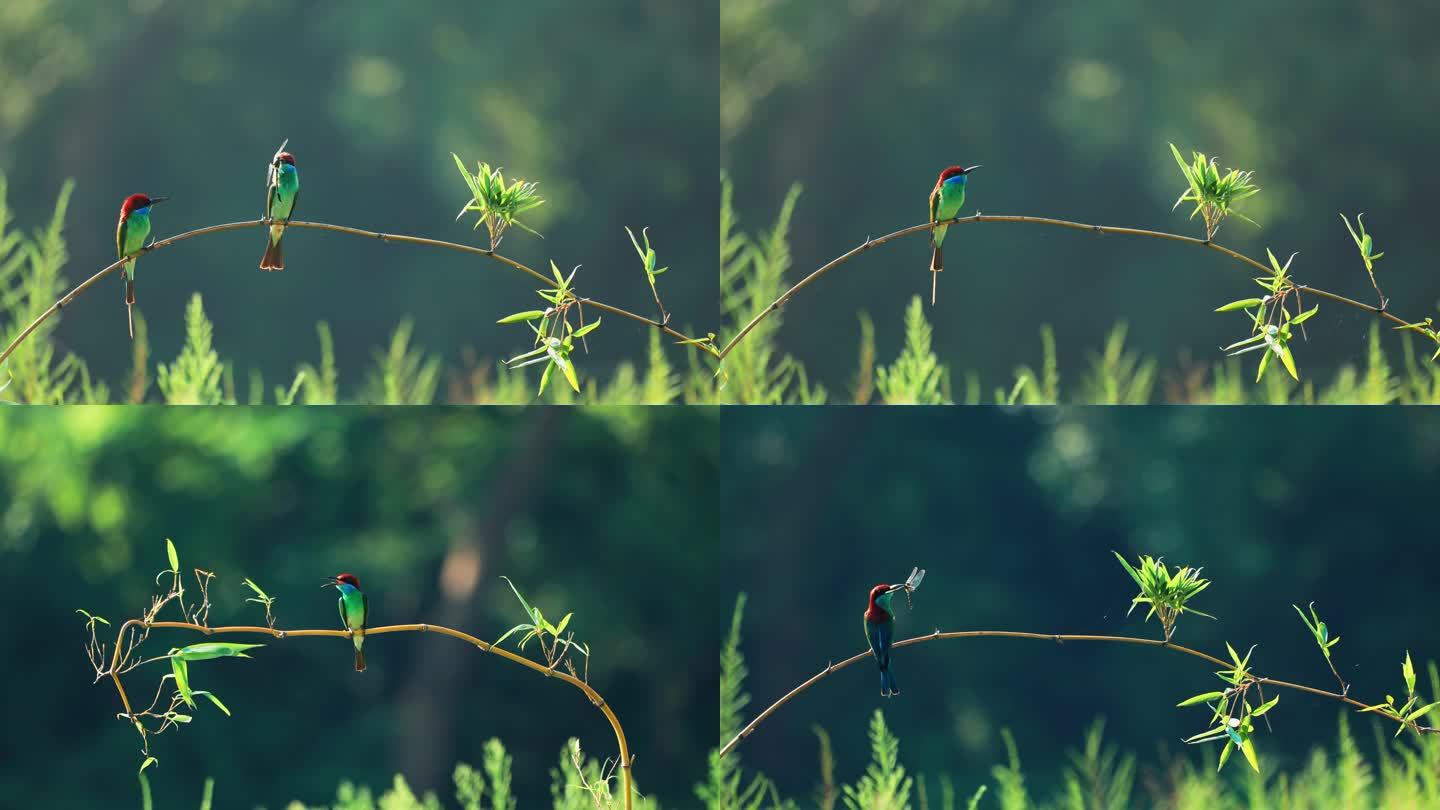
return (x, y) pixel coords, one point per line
(945, 203)
(880, 632)
(282, 189)
(354, 611)
(130, 235)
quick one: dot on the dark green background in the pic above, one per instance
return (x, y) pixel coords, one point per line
(1069, 106)
(1014, 514)
(611, 106)
(608, 513)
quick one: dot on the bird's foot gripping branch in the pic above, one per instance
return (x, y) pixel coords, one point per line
(1235, 711)
(177, 698)
(496, 204)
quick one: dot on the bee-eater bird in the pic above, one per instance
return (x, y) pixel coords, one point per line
(354, 611)
(130, 236)
(945, 203)
(282, 189)
(880, 632)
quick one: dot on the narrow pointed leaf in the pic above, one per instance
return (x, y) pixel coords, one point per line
(1421, 712)
(215, 700)
(181, 670)
(1289, 360)
(528, 315)
(209, 650)
(1266, 706)
(1248, 749)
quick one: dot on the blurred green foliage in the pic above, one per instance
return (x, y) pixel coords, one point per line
(605, 105)
(1070, 108)
(1015, 514)
(606, 512)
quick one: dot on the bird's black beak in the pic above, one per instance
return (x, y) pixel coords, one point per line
(158, 200)
(894, 588)
(329, 581)
(971, 169)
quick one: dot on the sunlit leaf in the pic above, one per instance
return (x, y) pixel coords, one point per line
(181, 670)
(209, 650)
(528, 315)
(215, 700)
(1248, 749)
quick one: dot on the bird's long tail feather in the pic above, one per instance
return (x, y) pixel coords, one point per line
(273, 259)
(129, 306)
(936, 267)
(359, 661)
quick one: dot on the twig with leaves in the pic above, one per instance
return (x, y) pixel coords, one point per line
(553, 646)
(1167, 593)
(498, 206)
(179, 709)
(1214, 195)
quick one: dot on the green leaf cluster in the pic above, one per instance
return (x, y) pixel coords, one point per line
(1272, 321)
(1167, 592)
(555, 336)
(1408, 714)
(1233, 715)
(648, 260)
(261, 598)
(1366, 244)
(497, 204)
(1213, 193)
(1319, 629)
(540, 628)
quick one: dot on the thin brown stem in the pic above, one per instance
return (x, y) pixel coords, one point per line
(868, 244)
(1058, 638)
(321, 226)
(484, 646)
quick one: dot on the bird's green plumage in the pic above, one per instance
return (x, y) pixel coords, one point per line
(130, 236)
(945, 203)
(354, 612)
(280, 202)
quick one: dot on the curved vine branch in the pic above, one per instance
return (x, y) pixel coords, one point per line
(1059, 638)
(484, 646)
(869, 243)
(383, 237)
